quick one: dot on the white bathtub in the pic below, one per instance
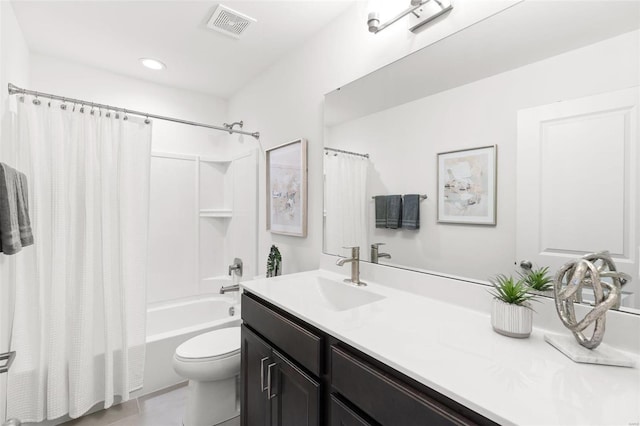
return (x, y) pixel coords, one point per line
(170, 324)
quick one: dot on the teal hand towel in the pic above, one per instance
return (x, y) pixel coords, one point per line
(411, 211)
(394, 211)
(9, 228)
(22, 209)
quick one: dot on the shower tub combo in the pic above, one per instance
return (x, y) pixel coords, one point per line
(170, 324)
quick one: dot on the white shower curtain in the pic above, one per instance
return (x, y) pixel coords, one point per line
(346, 217)
(79, 322)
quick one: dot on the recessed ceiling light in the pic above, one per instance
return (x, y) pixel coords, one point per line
(153, 64)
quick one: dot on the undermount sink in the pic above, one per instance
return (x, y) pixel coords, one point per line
(339, 296)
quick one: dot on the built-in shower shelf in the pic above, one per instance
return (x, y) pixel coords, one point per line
(214, 160)
(223, 213)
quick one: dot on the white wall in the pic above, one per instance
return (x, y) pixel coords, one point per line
(285, 102)
(14, 67)
(477, 114)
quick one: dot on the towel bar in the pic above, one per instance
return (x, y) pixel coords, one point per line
(422, 197)
(8, 356)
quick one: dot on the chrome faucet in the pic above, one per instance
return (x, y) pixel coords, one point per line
(235, 270)
(375, 253)
(236, 267)
(226, 289)
(355, 265)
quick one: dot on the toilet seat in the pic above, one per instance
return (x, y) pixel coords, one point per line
(214, 345)
(210, 356)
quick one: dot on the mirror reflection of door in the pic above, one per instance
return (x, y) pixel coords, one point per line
(577, 182)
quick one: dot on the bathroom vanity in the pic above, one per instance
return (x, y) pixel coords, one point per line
(306, 376)
(317, 351)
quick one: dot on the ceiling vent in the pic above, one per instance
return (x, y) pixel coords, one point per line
(228, 21)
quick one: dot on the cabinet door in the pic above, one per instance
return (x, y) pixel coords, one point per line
(341, 415)
(295, 396)
(256, 358)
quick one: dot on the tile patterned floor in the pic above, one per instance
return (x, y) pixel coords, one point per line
(162, 408)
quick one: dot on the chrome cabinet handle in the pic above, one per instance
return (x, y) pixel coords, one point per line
(269, 395)
(262, 386)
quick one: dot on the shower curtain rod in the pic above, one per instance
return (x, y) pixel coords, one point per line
(347, 152)
(15, 90)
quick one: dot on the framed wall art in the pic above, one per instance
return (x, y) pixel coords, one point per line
(467, 186)
(286, 166)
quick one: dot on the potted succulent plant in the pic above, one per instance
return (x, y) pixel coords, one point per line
(274, 262)
(511, 312)
(538, 281)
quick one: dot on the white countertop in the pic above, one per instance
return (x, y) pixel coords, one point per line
(454, 351)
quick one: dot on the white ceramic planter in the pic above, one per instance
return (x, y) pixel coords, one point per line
(511, 320)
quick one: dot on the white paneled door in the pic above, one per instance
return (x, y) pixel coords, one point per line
(577, 188)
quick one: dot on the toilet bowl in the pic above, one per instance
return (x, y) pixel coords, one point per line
(211, 362)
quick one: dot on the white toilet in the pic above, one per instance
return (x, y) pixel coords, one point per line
(211, 362)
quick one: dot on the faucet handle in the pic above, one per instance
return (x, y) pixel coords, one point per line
(378, 244)
(236, 266)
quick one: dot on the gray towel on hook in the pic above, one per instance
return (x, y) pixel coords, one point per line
(381, 211)
(9, 227)
(22, 207)
(411, 211)
(394, 211)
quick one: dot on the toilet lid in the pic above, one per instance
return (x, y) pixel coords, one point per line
(214, 344)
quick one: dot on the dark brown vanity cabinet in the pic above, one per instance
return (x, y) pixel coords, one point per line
(293, 374)
(274, 390)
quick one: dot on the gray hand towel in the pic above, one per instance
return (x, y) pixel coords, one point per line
(411, 211)
(394, 211)
(381, 211)
(9, 228)
(22, 207)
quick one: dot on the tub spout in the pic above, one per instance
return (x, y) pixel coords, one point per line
(226, 289)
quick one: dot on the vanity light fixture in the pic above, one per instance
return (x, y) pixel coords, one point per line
(424, 11)
(152, 64)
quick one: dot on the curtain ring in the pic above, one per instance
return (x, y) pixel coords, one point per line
(82, 109)
(125, 118)
(146, 120)
(36, 101)
(63, 106)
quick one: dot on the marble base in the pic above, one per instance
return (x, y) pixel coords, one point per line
(603, 354)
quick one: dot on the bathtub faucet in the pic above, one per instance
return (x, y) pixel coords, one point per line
(226, 289)
(236, 267)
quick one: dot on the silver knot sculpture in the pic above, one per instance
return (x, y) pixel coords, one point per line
(587, 272)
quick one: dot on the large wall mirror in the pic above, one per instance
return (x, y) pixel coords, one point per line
(554, 87)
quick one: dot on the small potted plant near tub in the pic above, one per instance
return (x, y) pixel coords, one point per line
(274, 262)
(538, 281)
(511, 311)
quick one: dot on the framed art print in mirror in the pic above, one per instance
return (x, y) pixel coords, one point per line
(286, 166)
(467, 186)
